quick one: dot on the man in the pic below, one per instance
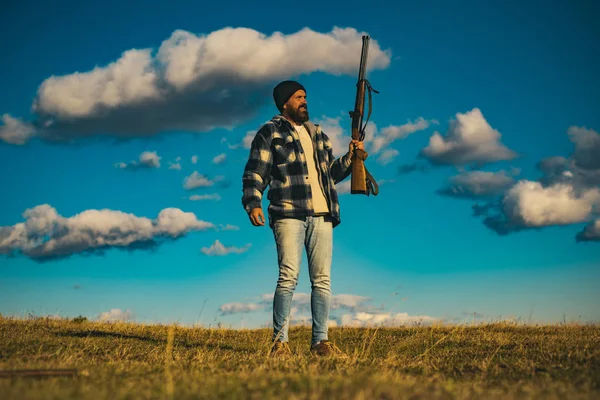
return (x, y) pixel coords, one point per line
(295, 158)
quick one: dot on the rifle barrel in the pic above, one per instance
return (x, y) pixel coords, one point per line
(363, 58)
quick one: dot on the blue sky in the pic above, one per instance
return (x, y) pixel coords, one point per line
(488, 109)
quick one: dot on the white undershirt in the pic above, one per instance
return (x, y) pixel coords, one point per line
(318, 197)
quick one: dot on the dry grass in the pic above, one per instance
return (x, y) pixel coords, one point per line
(120, 361)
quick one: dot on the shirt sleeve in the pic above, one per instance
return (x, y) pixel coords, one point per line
(257, 172)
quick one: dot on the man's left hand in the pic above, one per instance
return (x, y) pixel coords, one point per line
(359, 145)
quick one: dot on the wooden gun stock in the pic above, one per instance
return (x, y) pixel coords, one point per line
(358, 183)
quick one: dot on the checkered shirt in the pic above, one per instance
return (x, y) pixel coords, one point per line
(277, 160)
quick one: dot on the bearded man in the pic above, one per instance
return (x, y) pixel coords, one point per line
(294, 157)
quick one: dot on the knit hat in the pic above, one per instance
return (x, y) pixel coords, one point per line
(284, 90)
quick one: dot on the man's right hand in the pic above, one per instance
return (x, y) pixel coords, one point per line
(257, 217)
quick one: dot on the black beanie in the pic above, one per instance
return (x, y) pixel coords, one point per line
(284, 90)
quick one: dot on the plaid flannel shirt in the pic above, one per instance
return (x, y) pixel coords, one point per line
(277, 159)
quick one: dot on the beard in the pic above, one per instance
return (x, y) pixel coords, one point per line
(299, 115)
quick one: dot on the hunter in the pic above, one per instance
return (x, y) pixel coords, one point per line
(295, 158)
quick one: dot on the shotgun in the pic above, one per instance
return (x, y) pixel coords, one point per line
(362, 182)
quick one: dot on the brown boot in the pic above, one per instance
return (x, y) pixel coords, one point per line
(327, 349)
(280, 349)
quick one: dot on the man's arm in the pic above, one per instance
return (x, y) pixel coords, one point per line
(339, 167)
(257, 172)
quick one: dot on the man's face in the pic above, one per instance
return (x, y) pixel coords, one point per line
(296, 107)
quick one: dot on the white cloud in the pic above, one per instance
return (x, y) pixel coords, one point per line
(245, 143)
(567, 193)
(470, 139)
(175, 222)
(334, 131)
(376, 141)
(218, 249)
(192, 82)
(147, 159)
(247, 140)
(196, 180)
(190, 59)
(228, 227)
(302, 301)
(532, 205)
(15, 131)
(46, 235)
(238, 308)
(582, 168)
(219, 159)
(150, 159)
(391, 133)
(387, 156)
(175, 165)
(130, 79)
(365, 319)
(344, 187)
(348, 301)
(301, 306)
(116, 315)
(194, 159)
(198, 197)
(475, 184)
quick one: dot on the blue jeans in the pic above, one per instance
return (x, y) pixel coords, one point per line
(315, 234)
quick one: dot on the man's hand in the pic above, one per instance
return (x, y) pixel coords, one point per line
(257, 217)
(359, 145)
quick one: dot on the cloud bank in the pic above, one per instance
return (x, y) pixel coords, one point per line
(354, 311)
(384, 319)
(238, 308)
(218, 249)
(46, 235)
(300, 301)
(529, 204)
(116, 315)
(191, 83)
(377, 141)
(389, 134)
(477, 184)
(567, 193)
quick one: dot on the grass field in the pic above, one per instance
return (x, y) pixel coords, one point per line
(135, 361)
